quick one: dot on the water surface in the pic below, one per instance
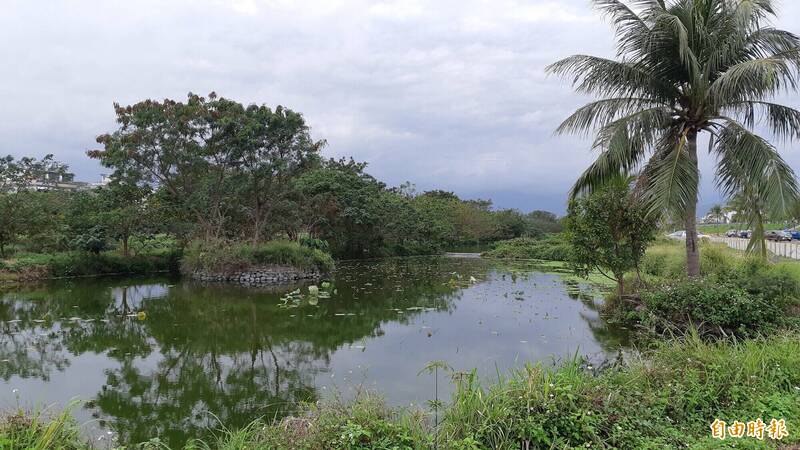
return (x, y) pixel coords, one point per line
(201, 354)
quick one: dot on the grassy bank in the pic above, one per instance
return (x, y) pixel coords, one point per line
(666, 398)
(551, 247)
(37, 266)
(222, 257)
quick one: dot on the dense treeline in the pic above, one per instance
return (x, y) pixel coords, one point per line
(212, 169)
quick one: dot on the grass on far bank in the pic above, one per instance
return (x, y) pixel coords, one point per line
(664, 398)
(551, 247)
(221, 257)
(39, 266)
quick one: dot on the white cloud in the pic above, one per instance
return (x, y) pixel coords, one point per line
(445, 93)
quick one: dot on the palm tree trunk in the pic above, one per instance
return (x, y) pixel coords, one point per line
(692, 247)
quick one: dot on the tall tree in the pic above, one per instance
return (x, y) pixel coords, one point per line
(685, 68)
(222, 163)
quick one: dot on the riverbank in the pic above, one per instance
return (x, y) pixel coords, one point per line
(665, 398)
(33, 267)
(271, 262)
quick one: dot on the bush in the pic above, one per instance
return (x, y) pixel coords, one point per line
(93, 241)
(550, 248)
(315, 243)
(222, 257)
(713, 308)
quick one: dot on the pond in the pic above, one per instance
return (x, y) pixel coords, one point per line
(170, 358)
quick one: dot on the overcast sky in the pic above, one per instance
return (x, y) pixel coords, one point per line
(447, 94)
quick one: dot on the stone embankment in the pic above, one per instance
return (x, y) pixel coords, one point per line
(260, 276)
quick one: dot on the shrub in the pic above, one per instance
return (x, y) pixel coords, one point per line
(550, 248)
(224, 257)
(714, 308)
(315, 243)
(93, 240)
(365, 423)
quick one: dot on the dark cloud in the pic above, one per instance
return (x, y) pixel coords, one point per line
(446, 94)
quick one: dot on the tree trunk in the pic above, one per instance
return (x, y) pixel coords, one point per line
(125, 250)
(620, 286)
(692, 245)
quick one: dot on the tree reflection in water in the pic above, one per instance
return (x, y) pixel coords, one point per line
(211, 354)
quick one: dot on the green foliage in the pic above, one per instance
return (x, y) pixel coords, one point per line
(221, 257)
(34, 266)
(315, 243)
(365, 423)
(609, 231)
(224, 165)
(20, 430)
(737, 295)
(552, 247)
(92, 241)
(711, 307)
(662, 398)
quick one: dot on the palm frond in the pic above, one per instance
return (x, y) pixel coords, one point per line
(768, 41)
(783, 121)
(756, 79)
(631, 28)
(609, 78)
(669, 181)
(599, 114)
(748, 162)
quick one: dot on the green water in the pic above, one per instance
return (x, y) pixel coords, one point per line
(201, 355)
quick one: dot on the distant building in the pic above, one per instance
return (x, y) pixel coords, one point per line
(58, 181)
(104, 181)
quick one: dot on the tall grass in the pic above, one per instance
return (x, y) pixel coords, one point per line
(20, 430)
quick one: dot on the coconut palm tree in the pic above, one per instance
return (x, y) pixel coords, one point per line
(687, 68)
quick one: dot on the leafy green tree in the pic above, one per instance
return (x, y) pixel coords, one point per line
(342, 205)
(685, 68)
(276, 146)
(543, 222)
(18, 206)
(124, 211)
(511, 224)
(609, 231)
(227, 166)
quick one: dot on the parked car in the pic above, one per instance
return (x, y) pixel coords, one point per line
(795, 233)
(682, 235)
(732, 233)
(777, 236)
(745, 234)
